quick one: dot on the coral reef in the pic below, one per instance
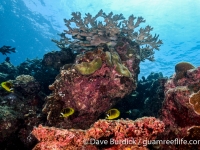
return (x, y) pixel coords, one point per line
(25, 85)
(38, 70)
(7, 72)
(104, 72)
(146, 100)
(152, 94)
(8, 122)
(7, 50)
(57, 59)
(89, 94)
(20, 111)
(103, 134)
(179, 113)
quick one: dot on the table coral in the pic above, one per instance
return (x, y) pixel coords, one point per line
(88, 33)
(178, 111)
(103, 134)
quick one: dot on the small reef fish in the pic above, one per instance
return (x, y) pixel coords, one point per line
(129, 111)
(134, 94)
(133, 112)
(66, 112)
(112, 114)
(7, 86)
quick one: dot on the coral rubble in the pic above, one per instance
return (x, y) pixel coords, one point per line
(180, 110)
(113, 134)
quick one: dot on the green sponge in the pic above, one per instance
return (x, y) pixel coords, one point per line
(87, 68)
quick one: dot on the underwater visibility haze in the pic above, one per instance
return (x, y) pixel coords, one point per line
(30, 25)
(99, 75)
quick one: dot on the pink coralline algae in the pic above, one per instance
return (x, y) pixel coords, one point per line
(103, 134)
(91, 86)
(179, 113)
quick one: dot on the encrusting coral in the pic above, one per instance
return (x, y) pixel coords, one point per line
(103, 134)
(180, 110)
(104, 72)
(195, 102)
(193, 134)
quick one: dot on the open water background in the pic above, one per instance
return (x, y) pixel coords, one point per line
(29, 25)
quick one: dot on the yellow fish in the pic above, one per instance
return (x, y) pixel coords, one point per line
(7, 86)
(66, 112)
(112, 114)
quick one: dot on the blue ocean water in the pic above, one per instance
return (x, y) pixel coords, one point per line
(29, 26)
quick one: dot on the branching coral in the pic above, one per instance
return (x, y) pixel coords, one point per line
(85, 34)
